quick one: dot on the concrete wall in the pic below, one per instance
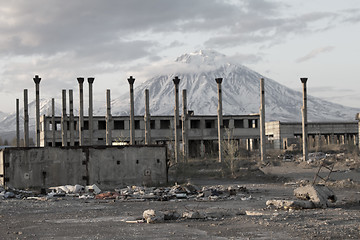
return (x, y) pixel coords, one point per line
(107, 167)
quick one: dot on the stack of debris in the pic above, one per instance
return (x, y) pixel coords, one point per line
(137, 193)
(14, 193)
(152, 216)
(179, 192)
(310, 196)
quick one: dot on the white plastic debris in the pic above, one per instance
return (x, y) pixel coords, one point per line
(93, 188)
(68, 189)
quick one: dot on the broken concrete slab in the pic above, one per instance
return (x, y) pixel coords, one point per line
(171, 215)
(193, 215)
(320, 195)
(152, 216)
(290, 204)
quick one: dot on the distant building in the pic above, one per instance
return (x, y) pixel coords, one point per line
(281, 135)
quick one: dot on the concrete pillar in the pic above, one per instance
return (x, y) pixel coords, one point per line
(81, 110)
(262, 122)
(184, 122)
(147, 119)
(64, 120)
(202, 149)
(108, 119)
(53, 143)
(26, 119)
(304, 120)
(17, 124)
(71, 117)
(44, 127)
(176, 81)
(219, 117)
(131, 81)
(37, 95)
(91, 123)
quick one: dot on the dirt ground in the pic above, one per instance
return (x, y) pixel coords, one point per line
(244, 217)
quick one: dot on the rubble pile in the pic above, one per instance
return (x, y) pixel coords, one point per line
(14, 193)
(154, 216)
(310, 196)
(138, 193)
(179, 192)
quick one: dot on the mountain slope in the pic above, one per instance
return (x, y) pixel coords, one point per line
(240, 92)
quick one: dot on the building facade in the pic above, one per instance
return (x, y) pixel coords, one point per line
(201, 132)
(281, 135)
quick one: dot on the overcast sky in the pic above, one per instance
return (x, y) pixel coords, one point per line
(111, 40)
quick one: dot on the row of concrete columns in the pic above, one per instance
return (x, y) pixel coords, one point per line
(37, 80)
(131, 81)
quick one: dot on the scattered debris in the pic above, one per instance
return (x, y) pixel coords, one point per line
(193, 215)
(152, 216)
(320, 195)
(290, 204)
(68, 189)
(107, 195)
(311, 196)
(137, 193)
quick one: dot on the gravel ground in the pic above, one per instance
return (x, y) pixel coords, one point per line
(237, 218)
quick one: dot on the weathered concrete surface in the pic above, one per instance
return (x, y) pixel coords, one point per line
(123, 166)
(42, 167)
(107, 167)
(320, 195)
(152, 216)
(290, 204)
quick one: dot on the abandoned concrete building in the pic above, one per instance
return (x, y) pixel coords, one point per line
(201, 131)
(138, 147)
(281, 135)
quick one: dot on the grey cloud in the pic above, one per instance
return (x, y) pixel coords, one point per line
(351, 15)
(314, 53)
(48, 27)
(331, 89)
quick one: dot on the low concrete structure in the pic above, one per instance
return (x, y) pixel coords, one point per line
(107, 167)
(281, 135)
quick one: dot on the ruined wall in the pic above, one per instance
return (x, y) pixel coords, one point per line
(107, 167)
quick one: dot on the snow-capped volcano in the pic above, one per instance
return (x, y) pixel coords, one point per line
(240, 92)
